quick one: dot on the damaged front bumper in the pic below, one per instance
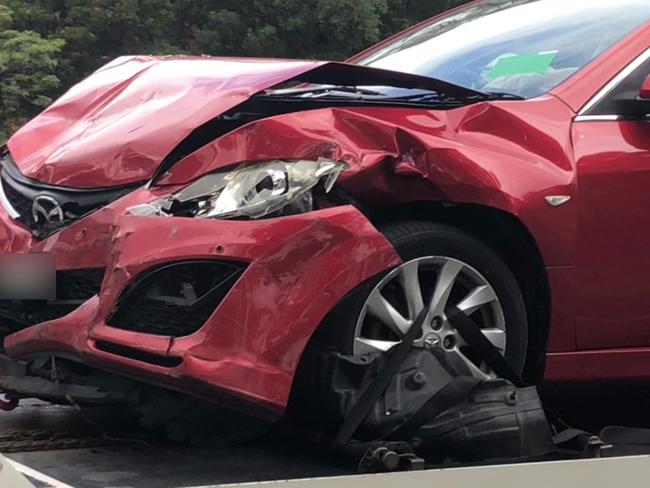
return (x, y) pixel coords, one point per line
(283, 276)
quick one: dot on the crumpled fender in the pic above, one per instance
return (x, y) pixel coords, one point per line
(507, 155)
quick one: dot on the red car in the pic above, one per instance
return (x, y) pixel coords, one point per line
(211, 218)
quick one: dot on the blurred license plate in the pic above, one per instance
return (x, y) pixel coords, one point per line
(27, 276)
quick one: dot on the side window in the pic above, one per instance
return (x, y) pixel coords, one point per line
(621, 99)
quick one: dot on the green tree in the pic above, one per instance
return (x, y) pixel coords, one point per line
(5, 18)
(27, 73)
(331, 29)
(47, 45)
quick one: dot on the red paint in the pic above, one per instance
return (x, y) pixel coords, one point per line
(507, 155)
(562, 281)
(253, 342)
(107, 130)
(613, 161)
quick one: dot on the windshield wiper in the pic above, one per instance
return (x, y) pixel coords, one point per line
(422, 97)
(504, 96)
(481, 96)
(355, 94)
(326, 90)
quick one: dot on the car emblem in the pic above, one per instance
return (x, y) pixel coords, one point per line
(46, 209)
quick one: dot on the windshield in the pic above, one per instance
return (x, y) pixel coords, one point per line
(522, 47)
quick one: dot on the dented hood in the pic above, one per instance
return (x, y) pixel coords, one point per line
(116, 126)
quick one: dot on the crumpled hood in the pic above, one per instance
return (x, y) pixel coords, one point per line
(116, 126)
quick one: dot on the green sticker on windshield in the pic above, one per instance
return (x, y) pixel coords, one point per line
(522, 65)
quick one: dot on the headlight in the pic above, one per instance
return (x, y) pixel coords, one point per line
(250, 191)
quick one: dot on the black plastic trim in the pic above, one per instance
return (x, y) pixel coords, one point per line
(138, 355)
(195, 314)
(78, 202)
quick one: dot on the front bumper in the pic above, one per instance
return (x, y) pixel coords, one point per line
(245, 355)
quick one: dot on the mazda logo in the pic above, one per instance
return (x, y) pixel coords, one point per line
(46, 209)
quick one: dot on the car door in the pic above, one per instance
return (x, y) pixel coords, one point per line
(611, 139)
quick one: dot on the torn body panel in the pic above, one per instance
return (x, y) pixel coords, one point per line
(501, 155)
(402, 155)
(250, 347)
(107, 130)
(504, 155)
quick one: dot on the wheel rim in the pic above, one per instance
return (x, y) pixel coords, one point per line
(391, 308)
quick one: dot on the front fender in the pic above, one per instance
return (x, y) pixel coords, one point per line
(507, 155)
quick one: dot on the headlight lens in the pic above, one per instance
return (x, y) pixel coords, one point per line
(249, 191)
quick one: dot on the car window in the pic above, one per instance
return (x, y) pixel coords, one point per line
(523, 47)
(621, 99)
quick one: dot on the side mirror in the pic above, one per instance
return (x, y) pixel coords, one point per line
(644, 93)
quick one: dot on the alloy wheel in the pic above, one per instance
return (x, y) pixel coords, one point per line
(394, 303)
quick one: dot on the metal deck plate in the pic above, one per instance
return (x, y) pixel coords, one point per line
(145, 465)
(166, 465)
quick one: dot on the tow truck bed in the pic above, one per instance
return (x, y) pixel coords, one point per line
(93, 462)
(116, 461)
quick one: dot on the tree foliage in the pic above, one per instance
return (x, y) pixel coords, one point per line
(47, 45)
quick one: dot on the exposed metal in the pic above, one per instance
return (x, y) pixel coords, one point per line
(595, 473)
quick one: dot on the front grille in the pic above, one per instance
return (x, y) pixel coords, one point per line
(73, 287)
(45, 208)
(177, 299)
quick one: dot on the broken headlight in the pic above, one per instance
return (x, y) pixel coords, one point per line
(249, 191)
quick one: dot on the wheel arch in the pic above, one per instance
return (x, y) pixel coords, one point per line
(508, 236)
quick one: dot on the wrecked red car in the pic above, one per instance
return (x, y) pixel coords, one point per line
(210, 219)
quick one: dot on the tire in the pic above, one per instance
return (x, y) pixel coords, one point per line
(414, 240)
